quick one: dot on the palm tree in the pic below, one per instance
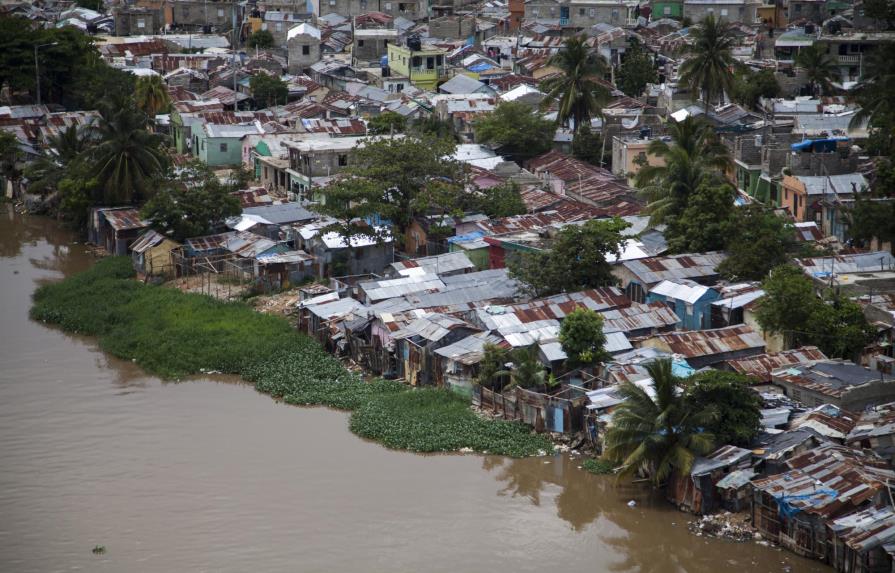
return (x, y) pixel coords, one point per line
(10, 158)
(818, 67)
(128, 156)
(527, 372)
(875, 93)
(709, 68)
(152, 96)
(694, 154)
(577, 91)
(656, 433)
(64, 150)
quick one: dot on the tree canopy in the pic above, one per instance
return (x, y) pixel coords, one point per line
(516, 129)
(757, 241)
(587, 145)
(749, 86)
(656, 435)
(387, 123)
(576, 91)
(819, 68)
(192, 204)
(737, 407)
(268, 91)
(705, 221)
(707, 69)
(575, 259)
(152, 95)
(636, 71)
(261, 39)
(582, 338)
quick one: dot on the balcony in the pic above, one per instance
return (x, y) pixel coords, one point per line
(849, 60)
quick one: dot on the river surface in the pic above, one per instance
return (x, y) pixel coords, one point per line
(208, 475)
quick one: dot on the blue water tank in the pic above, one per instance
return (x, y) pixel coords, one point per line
(383, 62)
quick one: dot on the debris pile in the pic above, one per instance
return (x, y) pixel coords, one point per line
(735, 527)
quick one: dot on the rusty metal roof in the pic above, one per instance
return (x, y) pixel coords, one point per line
(695, 343)
(761, 366)
(828, 377)
(339, 126)
(124, 219)
(866, 529)
(638, 316)
(827, 420)
(827, 481)
(654, 270)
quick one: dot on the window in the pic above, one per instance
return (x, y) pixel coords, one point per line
(614, 15)
(592, 12)
(666, 11)
(741, 11)
(220, 12)
(439, 60)
(332, 2)
(430, 63)
(343, 160)
(306, 50)
(724, 11)
(279, 26)
(797, 8)
(360, 43)
(417, 61)
(141, 23)
(223, 148)
(534, 12)
(388, 5)
(399, 88)
(581, 11)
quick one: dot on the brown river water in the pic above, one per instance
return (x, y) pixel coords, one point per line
(208, 475)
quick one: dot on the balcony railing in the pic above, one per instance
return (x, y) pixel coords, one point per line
(849, 59)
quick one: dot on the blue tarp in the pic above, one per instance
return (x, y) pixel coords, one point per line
(480, 67)
(818, 497)
(472, 236)
(818, 145)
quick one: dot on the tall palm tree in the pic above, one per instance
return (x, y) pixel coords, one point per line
(875, 93)
(527, 372)
(63, 150)
(152, 96)
(818, 67)
(694, 154)
(128, 156)
(577, 91)
(656, 433)
(708, 69)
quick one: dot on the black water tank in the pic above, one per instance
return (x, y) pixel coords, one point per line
(414, 43)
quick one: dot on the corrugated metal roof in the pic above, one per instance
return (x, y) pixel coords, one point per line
(689, 266)
(393, 288)
(880, 421)
(124, 219)
(828, 377)
(689, 293)
(761, 366)
(653, 316)
(438, 264)
(850, 263)
(696, 343)
(469, 350)
(432, 327)
(866, 529)
(722, 457)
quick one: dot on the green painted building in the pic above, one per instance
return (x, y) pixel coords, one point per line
(221, 145)
(667, 10)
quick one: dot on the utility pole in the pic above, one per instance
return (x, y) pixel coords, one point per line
(37, 66)
(235, 48)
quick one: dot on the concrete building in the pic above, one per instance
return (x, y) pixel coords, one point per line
(219, 145)
(629, 154)
(279, 24)
(410, 9)
(839, 382)
(196, 14)
(745, 11)
(315, 160)
(581, 14)
(371, 45)
(303, 45)
(137, 21)
(424, 66)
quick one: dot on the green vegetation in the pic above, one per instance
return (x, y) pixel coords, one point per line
(268, 90)
(636, 71)
(516, 130)
(707, 69)
(655, 436)
(757, 241)
(577, 91)
(875, 94)
(582, 338)
(587, 145)
(152, 96)
(737, 406)
(386, 123)
(599, 466)
(749, 86)
(576, 259)
(430, 420)
(174, 334)
(262, 39)
(819, 69)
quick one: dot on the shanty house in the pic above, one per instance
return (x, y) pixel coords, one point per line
(864, 541)
(690, 301)
(823, 484)
(839, 382)
(761, 366)
(151, 255)
(639, 276)
(416, 343)
(709, 347)
(457, 363)
(442, 265)
(115, 228)
(696, 491)
(875, 430)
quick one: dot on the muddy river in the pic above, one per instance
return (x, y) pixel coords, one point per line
(208, 475)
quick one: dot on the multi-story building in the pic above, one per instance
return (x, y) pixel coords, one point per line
(303, 44)
(849, 50)
(424, 66)
(198, 14)
(410, 9)
(745, 11)
(137, 21)
(581, 14)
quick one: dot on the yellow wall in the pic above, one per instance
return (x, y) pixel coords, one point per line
(400, 60)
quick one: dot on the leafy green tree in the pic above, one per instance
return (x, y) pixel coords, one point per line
(705, 222)
(881, 11)
(432, 126)
(707, 69)
(636, 71)
(10, 156)
(872, 218)
(575, 260)
(493, 366)
(875, 93)
(527, 371)
(819, 68)
(657, 435)
(576, 91)
(193, 204)
(152, 96)
(268, 90)
(693, 156)
(749, 87)
(839, 328)
(389, 174)
(588, 146)
(262, 39)
(788, 303)
(516, 129)
(77, 192)
(582, 338)
(757, 241)
(499, 201)
(386, 123)
(737, 406)
(127, 158)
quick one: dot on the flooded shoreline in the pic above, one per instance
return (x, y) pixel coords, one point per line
(215, 476)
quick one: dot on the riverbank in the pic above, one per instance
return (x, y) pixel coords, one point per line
(174, 334)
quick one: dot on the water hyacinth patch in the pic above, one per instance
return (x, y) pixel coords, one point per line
(174, 334)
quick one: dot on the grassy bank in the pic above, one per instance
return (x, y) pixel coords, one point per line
(174, 334)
